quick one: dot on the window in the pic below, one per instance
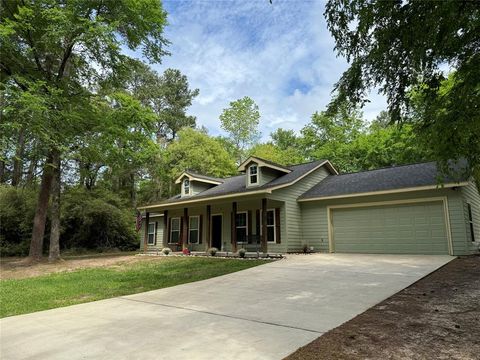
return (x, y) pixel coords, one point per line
(193, 229)
(241, 226)
(151, 234)
(174, 230)
(470, 220)
(271, 237)
(253, 174)
(186, 187)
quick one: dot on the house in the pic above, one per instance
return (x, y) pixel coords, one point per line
(272, 208)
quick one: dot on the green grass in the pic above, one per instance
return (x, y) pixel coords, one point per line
(21, 296)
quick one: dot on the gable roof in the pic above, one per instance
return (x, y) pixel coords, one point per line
(236, 185)
(392, 179)
(199, 177)
(263, 162)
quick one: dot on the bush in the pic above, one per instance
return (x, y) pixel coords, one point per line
(96, 220)
(166, 251)
(242, 253)
(17, 209)
(212, 251)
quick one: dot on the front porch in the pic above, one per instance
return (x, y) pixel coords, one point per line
(254, 224)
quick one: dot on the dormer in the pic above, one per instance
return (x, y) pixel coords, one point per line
(192, 183)
(260, 171)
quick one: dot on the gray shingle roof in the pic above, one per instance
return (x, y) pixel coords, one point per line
(204, 177)
(237, 184)
(398, 177)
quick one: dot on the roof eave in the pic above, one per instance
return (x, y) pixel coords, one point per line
(382, 192)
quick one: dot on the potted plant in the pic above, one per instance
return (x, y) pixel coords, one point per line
(212, 251)
(166, 251)
(242, 253)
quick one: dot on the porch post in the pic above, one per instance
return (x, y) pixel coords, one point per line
(234, 227)
(145, 237)
(264, 225)
(165, 228)
(185, 228)
(208, 242)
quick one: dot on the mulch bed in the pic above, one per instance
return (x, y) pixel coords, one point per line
(438, 317)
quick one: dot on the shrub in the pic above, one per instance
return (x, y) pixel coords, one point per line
(242, 253)
(212, 251)
(166, 251)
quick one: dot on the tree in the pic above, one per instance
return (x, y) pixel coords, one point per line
(272, 152)
(197, 151)
(51, 55)
(241, 121)
(402, 46)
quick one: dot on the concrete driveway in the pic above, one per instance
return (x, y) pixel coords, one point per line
(265, 312)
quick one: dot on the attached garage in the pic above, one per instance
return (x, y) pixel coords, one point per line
(405, 228)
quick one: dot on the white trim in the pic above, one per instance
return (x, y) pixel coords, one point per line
(442, 199)
(184, 193)
(274, 226)
(190, 228)
(154, 233)
(394, 191)
(171, 229)
(261, 163)
(246, 225)
(195, 178)
(249, 175)
(246, 193)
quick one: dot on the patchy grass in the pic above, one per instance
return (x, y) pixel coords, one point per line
(21, 296)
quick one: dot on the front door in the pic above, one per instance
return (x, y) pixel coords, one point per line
(217, 231)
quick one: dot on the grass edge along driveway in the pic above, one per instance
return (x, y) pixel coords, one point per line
(22, 296)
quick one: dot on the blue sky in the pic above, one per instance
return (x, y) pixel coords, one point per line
(280, 54)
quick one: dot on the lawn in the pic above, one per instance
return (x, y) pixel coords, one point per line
(21, 296)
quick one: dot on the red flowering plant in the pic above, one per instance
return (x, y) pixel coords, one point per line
(186, 251)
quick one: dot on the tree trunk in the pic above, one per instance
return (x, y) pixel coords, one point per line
(18, 159)
(2, 171)
(54, 251)
(36, 244)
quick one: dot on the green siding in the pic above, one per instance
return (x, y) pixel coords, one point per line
(159, 242)
(471, 196)
(314, 216)
(292, 216)
(198, 187)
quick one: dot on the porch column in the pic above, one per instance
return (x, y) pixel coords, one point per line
(264, 225)
(208, 223)
(185, 228)
(234, 227)
(165, 228)
(145, 237)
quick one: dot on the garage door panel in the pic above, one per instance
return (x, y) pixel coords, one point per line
(404, 229)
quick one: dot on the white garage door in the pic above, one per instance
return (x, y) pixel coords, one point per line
(417, 228)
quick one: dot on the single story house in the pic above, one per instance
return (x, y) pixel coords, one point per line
(272, 208)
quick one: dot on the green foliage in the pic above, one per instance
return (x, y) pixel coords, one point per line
(400, 46)
(198, 152)
(276, 154)
(17, 207)
(96, 220)
(23, 296)
(241, 121)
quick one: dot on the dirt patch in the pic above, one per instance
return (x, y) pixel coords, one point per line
(18, 268)
(436, 318)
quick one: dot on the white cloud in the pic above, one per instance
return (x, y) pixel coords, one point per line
(280, 55)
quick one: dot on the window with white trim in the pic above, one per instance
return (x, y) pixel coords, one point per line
(193, 229)
(241, 224)
(271, 235)
(151, 233)
(186, 187)
(470, 221)
(253, 174)
(174, 230)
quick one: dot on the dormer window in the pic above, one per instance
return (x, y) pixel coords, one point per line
(186, 187)
(253, 174)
